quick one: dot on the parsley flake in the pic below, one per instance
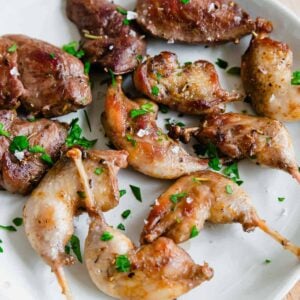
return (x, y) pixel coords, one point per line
(176, 197)
(8, 228)
(122, 193)
(145, 108)
(106, 236)
(125, 214)
(12, 48)
(229, 189)
(155, 90)
(130, 139)
(121, 227)
(19, 143)
(194, 232)
(3, 132)
(99, 171)
(281, 199)
(222, 63)
(18, 221)
(234, 71)
(73, 49)
(122, 263)
(296, 78)
(74, 245)
(136, 192)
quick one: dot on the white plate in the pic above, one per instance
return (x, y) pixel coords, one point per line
(237, 257)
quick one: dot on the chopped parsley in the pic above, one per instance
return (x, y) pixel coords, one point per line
(229, 189)
(106, 236)
(3, 132)
(19, 143)
(139, 58)
(122, 193)
(121, 11)
(175, 198)
(52, 55)
(18, 221)
(296, 78)
(73, 49)
(121, 227)
(155, 90)
(158, 76)
(144, 109)
(8, 228)
(87, 68)
(234, 71)
(122, 263)
(12, 48)
(136, 192)
(74, 245)
(214, 161)
(130, 139)
(37, 149)
(74, 137)
(87, 120)
(47, 159)
(113, 77)
(125, 214)
(194, 232)
(163, 108)
(222, 63)
(81, 194)
(126, 21)
(215, 164)
(232, 172)
(267, 261)
(185, 1)
(99, 171)
(281, 199)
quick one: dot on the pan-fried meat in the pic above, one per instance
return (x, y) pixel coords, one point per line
(266, 74)
(181, 211)
(193, 88)
(160, 270)
(197, 21)
(131, 126)
(20, 171)
(40, 77)
(70, 186)
(108, 38)
(262, 140)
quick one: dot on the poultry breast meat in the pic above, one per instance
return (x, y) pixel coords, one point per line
(197, 21)
(108, 37)
(131, 126)
(181, 211)
(27, 149)
(193, 88)
(69, 187)
(160, 270)
(267, 78)
(41, 78)
(237, 136)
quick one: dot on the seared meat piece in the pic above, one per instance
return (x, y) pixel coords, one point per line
(70, 186)
(107, 38)
(193, 88)
(266, 74)
(131, 126)
(264, 141)
(20, 171)
(158, 271)
(200, 197)
(40, 77)
(198, 21)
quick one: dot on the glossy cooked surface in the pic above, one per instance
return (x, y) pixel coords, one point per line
(21, 176)
(266, 74)
(193, 88)
(160, 270)
(207, 196)
(41, 78)
(198, 21)
(265, 141)
(106, 40)
(150, 150)
(68, 188)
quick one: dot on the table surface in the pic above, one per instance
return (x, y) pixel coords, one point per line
(295, 6)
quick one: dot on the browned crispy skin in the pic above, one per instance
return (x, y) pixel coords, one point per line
(106, 40)
(266, 74)
(150, 150)
(263, 140)
(207, 196)
(22, 176)
(41, 78)
(192, 89)
(199, 21)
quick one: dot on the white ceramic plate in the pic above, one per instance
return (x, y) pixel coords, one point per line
(237, 257)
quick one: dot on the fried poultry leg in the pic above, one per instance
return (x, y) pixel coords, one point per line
(160, 270)
(131, 126)
(237, 136)
(204, 196)
(70, 186)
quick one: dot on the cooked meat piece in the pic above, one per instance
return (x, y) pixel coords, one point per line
(161, 270)
(22, 170)
(266, 74)
(70, 186)
(40, 77)
(262, 140)
(198, 21)
(200, 197)
(193, 88)
(108, 37)
(131, 126)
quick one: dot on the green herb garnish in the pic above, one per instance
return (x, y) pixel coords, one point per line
(113, 78)
(122, 263)
(296, 78)
(52, 55)
(281, 199)
(99, 171)
(222, 63)
(136, 192)
(121, 11)
(47, 159)
(139, 58)
(12, 48)
(155, 90)
(3, 132)
(194, 232)
(37, 149)
(18, 221)
(74, 137)
(106, 236)
(267, 261)
(163, 108)
(176, 197)
(122, 193)
(19, 143)
(87, 68)
(8, 228)
(126, 21)
(74, 244)
(229, 189)
(125, 214)
(131, 140)
(232, 172)
(73, 49)
(145, 108)
(121, 226)
(81, 194)
(234, 71)
(215, 164)
(185, 1)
